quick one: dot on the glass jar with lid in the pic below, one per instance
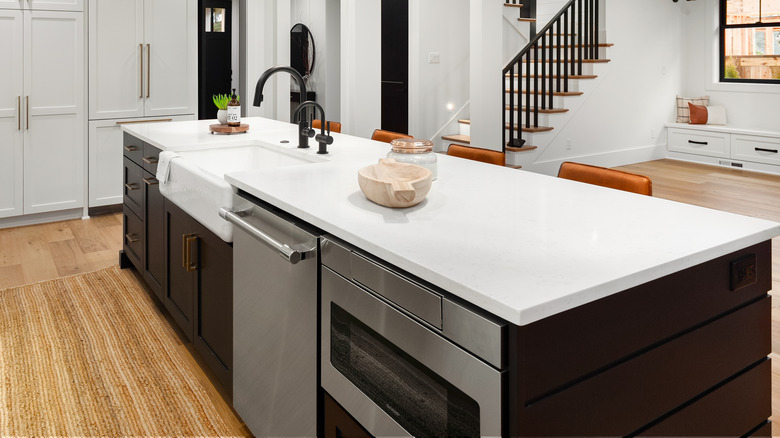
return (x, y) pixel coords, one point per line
(414, 151)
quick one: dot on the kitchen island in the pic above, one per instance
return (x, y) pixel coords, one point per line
(626, 314)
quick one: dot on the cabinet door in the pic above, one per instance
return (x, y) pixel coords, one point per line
(171, 44)
(117, 59)
(182, 248)
(11, 111)
(54, 143)
(55, 5)
(154, 221)
(105, 163)
(214, 304)
(12, 4)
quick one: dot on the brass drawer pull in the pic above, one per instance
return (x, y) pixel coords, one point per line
(150, 160)
(141, 76)
(191, 266)
(151, 181)
(186, 263)
(19, 112)
(148, 70)
(131, 186)
(131, 148)
(131, 238)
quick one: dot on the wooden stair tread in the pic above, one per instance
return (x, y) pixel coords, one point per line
(512, 166)
(534, 129)
(556, 93)
(465, 139)
(541, 110)
(584, 61)
(513, 5)
(526, 20)
(521, 149)
(555, 46)
(465, 121)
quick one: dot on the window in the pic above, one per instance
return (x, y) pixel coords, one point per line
(750, 41)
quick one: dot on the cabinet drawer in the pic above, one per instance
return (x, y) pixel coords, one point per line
(133, 149)
(715, 144)
(133, 238)
(134, 187)
(150, 158)
(756, 149)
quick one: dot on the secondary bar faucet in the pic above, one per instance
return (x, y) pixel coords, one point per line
(304, 129)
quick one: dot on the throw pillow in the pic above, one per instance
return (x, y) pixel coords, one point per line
(698, 114)
(683, 112)
(716, 115)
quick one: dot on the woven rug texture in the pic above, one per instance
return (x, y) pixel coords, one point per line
(89, 355)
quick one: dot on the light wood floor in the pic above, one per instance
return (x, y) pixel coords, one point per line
(43, 252)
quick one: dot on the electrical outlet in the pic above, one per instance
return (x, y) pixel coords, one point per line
(568, 144)
(434, 58)
(652, 132)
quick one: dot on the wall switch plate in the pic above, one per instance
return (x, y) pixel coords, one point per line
(743, 272)
(434, 58)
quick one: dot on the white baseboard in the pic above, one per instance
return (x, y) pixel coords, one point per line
(605, 159)
(42, 218)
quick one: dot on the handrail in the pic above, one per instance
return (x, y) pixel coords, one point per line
(549, 59)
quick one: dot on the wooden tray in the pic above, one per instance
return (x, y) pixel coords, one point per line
(227, 129)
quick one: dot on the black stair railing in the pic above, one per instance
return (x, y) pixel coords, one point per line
(548, 61)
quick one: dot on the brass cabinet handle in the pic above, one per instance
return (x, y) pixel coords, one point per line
(184, 250)
(190, 265)
(27, 108)
(19, 112)
(131, 148)
(131, 186)
(148, 70)
(131, 238)
(150, 160)
(141, 71)
(151, 181)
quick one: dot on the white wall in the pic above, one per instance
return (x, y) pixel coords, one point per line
(438, 91)
(747, 105)
(621, 117)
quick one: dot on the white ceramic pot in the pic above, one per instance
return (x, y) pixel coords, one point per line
(222, 116)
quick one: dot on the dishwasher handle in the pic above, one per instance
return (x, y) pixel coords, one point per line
(285, 251)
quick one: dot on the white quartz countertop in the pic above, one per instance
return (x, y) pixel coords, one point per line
(520, 245)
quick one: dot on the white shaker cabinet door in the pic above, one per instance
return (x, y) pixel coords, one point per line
(11, 112)
(117, 68)
(55, 5)
(54, 143)
(171, 36)
(12, 4)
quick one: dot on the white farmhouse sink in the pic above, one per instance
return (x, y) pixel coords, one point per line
(196, 180)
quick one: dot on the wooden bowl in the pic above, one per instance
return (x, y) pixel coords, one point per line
(395, 184)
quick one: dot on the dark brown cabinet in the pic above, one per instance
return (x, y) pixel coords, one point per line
(200, 289)
(142, 211)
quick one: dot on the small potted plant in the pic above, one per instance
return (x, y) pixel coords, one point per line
(221, 101)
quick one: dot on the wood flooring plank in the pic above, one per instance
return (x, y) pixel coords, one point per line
(11, 276)
(68, 257)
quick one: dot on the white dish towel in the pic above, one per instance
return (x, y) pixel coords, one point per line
(164, 165)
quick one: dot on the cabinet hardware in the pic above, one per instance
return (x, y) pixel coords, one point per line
(19, 112)
(190, 265)
(131, 148)
(698, 142)
(141, 75)
(148, 70)
(186, 240)
(151, 181)
(143, 121)
(27, 108)
(131, 238)
(774, 151)
(131, 186)
(150, 160)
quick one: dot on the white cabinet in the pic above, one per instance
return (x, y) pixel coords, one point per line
(41, 116)
(43, 5)
(725, 145)
(105, 158)
(143, 58)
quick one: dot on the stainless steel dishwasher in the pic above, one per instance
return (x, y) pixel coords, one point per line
(274, 320)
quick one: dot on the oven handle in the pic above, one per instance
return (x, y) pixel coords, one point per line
(285, 251)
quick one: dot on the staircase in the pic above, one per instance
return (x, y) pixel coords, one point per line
(545, 75)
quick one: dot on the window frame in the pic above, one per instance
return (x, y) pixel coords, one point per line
(723, 26)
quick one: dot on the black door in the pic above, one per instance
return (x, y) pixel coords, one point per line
(214, 46)
(395, 65)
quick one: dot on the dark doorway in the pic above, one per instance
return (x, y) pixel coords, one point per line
(395, 65)
(214, 48)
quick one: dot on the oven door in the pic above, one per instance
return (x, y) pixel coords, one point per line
(395, 375)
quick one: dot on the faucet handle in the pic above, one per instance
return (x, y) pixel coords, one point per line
(309, 132)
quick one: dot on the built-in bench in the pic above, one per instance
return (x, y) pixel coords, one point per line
(725, 146)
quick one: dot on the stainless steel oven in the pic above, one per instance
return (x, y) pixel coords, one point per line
(404, 359)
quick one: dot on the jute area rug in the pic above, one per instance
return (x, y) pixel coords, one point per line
(88, 355)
